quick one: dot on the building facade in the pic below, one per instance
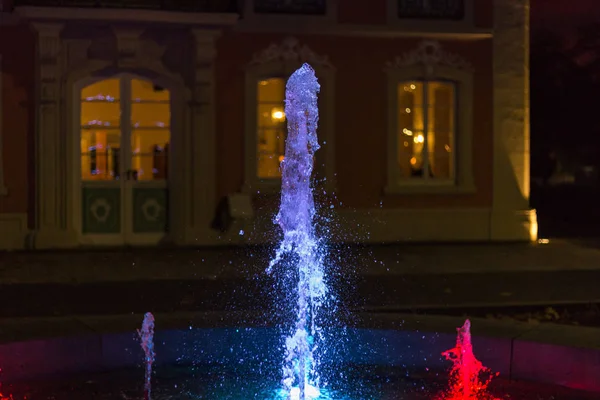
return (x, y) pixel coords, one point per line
(133, 123)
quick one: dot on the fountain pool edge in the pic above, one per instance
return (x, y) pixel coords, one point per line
(545, 353)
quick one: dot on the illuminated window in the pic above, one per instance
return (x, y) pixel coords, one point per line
(270, 127)
(426, 126)
(101, 131)
(125, 130)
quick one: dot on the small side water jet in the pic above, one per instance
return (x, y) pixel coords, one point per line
(465, 375)
(146, 335)
(299, 250)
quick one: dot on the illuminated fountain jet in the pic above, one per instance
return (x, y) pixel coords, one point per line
(299, 252)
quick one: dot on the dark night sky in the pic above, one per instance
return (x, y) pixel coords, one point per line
(563, 14)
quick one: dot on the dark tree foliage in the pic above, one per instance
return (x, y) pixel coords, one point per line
(564, 105)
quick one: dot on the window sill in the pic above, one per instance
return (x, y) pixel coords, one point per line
(429, 188)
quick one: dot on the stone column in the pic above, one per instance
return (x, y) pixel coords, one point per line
(53, 230)
(511, 218)
(200, 199)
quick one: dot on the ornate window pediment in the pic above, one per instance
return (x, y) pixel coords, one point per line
(429, 55)
(289, 51)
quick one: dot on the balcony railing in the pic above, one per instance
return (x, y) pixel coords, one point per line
(215, 6)
(432, 9)
(294, 7)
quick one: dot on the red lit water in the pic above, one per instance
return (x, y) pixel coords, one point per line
(2, 396)
(469, 379)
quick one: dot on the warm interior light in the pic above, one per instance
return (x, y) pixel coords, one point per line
(533, 227)
(419, 138)
(277, 114)
(407, 132)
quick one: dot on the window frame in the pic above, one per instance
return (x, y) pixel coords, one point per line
(425, 179)
(271, 21)
(3, 188)
(467, 23)
(463, 181)
(325, 156)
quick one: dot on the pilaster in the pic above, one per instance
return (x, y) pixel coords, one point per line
(511, 218)
(200, 201)
(53, 229)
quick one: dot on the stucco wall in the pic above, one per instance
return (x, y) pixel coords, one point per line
(17, 123)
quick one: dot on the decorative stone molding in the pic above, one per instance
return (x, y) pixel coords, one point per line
(429, 54)
(203, 74)
(290, 51)
(205, 45)
(76, 52)
(49, 48)
(48, 39)
(128, 42)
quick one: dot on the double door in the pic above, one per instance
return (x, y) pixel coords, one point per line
(125, 133)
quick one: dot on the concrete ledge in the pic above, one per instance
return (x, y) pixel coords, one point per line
(562, 355)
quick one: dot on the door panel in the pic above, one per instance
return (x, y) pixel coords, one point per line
(101, 209)
(150, 210)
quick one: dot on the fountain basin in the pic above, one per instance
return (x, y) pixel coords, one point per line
(560, 355)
